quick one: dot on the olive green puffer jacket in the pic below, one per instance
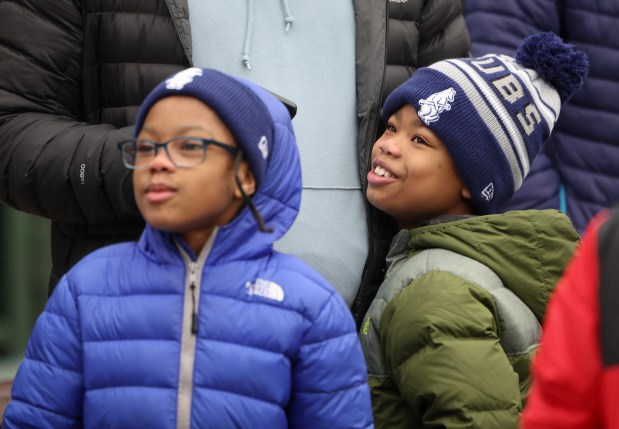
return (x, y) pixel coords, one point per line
(451, 333)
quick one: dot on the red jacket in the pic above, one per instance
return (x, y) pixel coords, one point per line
(576, 381)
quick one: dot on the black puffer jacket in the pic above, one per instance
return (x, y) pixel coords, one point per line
(70, 88)
(72, 75)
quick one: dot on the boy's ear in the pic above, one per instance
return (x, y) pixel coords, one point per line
(466, 193)
(248, 182)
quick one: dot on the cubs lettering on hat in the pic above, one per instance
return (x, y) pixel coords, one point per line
(493, 113)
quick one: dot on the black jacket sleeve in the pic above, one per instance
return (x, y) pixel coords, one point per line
(52, 164)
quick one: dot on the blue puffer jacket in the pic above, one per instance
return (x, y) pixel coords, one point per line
(273, 345)
(577, 171)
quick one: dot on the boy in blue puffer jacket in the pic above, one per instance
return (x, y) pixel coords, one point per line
(200, 323)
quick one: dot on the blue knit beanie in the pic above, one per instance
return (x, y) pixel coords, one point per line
(235, 103)
(493, 113)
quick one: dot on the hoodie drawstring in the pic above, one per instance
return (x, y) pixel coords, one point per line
(249, 31)
(246, 198)
(288, 19)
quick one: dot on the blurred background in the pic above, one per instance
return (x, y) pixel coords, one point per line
(25, 264)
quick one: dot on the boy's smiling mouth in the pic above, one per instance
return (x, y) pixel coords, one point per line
(380, 173)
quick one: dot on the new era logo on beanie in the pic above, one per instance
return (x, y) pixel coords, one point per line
(234, 102)
(493, 113)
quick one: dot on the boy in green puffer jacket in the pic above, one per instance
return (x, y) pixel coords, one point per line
(451, 332)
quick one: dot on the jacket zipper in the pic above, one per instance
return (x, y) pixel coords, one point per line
(188, 343)
(189, 331)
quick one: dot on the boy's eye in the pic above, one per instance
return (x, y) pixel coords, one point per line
(144, 147)
(419, 140)
(189, 145)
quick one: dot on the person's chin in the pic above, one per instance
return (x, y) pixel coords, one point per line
(374, 199)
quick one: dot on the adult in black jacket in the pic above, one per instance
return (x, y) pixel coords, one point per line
(72, 74)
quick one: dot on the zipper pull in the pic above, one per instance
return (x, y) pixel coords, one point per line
(194, 314)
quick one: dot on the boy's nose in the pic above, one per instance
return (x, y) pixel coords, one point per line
(390, 146)
(161, 161)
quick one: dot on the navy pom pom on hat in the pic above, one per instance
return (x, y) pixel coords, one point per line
(494, 112)
(235, 103)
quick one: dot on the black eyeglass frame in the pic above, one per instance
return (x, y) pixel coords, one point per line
(233, 150)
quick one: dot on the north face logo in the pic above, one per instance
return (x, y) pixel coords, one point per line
(265, 289)
(432, 106)
(180, 79)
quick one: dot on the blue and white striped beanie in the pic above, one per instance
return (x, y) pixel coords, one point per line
(493, 113)
(235, 102)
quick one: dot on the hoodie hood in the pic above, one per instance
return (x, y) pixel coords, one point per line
(527, 249)
(278, 198)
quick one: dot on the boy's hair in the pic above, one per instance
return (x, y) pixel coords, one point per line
(494, 112)
(234, 101)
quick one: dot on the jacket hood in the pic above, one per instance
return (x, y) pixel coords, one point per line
(277, 199)
(527, 249)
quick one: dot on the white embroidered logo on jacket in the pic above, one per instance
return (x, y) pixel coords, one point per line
(432, 106)
(182, 78)
(265, 289)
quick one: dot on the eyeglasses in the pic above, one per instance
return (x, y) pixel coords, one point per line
(183, 151)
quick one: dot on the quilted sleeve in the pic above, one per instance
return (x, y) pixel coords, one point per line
(48, 388)
(440, 337)
(500, 27)
(421, 33)
(51, 163)
(443, 32)
(329, 374)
